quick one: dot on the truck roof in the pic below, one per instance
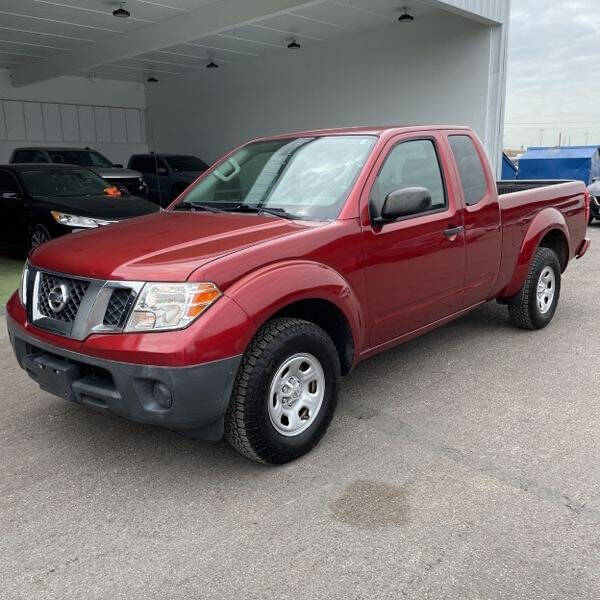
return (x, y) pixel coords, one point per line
(387, 130)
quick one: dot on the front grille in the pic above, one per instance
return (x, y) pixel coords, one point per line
(119, 305)
(133, 185)
(75, 289)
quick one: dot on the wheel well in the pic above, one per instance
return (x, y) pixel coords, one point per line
(556, 241)
(330, 318)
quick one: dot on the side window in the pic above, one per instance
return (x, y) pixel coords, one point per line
(38, 157)
(410, 164)
(144, 164)
(472, 175)
(23, 156)
(8, 183)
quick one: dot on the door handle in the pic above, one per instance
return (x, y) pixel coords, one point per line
(452, 232)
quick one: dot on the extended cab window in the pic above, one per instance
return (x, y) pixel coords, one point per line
(410, 164)
(472, 175)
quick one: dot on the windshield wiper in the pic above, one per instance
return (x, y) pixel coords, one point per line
(250, 208)
(198, 205)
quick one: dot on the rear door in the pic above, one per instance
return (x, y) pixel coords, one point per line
(415, 266)
(483, 236)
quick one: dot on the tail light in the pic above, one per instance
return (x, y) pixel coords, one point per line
(586, 200)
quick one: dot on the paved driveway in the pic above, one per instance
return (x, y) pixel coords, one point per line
(465, 464)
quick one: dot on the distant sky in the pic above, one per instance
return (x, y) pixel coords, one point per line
(553, 73)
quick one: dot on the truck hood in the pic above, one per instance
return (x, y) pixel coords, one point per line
(166, 246)
(115, 172)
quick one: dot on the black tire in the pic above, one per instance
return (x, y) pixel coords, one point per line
(37, 236)
(526, 313)
(248, 426)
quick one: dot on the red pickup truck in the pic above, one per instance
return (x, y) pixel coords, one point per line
(238, 309)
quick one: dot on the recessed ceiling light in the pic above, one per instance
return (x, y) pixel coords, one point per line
(120, 12)
(405, 17)
(294, 45)
(212, 65)
(152, 79)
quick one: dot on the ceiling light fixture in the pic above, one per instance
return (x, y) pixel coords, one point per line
(294, 45)
(405, 17)
(120, 12)
(152, 79)
(212, 65)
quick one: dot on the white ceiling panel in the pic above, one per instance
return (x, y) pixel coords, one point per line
(74, 31)
(30, 50)
(33, 40)
(32, 31)
(61, 11)
(226, 42)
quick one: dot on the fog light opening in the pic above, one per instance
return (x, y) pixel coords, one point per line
(162, 395)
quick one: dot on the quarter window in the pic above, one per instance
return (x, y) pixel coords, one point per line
(472, 175)
(410, 164)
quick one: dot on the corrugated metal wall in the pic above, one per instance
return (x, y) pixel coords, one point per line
(494, 10)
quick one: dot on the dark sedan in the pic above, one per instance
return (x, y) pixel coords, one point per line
(39, 202)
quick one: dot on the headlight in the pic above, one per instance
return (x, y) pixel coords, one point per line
(23, 285)
(77, 221)
(163, 306)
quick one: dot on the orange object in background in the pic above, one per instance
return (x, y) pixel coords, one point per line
(112, 190)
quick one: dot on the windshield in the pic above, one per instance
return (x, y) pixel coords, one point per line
(82, 158)
(305, 178)
(63, 183)
(185, 163)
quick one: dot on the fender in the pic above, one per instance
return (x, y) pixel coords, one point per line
(263, 293)
(544, 222)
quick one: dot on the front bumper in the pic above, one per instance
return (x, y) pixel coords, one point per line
(595, 207)
(192, 399)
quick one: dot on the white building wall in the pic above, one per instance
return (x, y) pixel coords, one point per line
(435, 71)
(494, 10)
(73, 111)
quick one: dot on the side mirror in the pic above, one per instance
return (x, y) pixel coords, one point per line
(118, 166)
(162, 171)
(10, 196)
(404, 203)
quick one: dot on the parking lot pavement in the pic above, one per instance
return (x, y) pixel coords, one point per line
(464, 464)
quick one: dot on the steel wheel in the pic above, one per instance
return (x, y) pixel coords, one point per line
(296, 394)
(546, 288)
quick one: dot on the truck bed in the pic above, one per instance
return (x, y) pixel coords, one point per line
(521, 202)
(511, 186)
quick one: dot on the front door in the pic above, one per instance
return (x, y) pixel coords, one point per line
(13, 226)
(415, 267)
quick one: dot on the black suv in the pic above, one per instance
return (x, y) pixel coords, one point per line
(41, 201)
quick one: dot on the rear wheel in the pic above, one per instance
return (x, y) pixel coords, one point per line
(285, 392)
(39, 235)
(540, 294)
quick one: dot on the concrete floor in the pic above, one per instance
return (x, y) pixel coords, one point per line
(465, 464)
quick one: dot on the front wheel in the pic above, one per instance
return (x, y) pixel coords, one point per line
(285, 392)
(39, 235)
(539, 297)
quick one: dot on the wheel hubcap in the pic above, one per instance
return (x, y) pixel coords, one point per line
(296, 394)
(546, 289)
